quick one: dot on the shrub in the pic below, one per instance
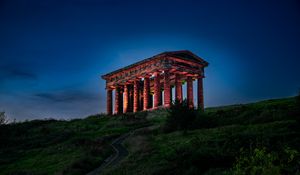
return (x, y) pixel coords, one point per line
(261, 161)
(203, 120)
(180, 117)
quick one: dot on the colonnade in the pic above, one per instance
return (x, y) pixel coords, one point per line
(136, 95)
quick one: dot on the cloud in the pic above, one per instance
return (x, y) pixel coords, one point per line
(16, 72)
(22, 74)
(62, 104)
(15, 78)
(67, 96)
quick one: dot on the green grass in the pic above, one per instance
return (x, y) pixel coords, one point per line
(60, 147)
(212, 146)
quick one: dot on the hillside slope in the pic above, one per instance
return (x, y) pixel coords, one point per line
(60, 147)
(257, 138)
(216, 144)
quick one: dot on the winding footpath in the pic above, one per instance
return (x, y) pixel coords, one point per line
(120, 153)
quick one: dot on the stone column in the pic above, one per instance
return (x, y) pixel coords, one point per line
(167, 89)
(178, 88)
(109, 101)
(118, 101)
(157, 93)
(126, 98)
(130, 98)
(141, 96)
(190, 98)
(146, 92)
(200, 94)
(136, 96)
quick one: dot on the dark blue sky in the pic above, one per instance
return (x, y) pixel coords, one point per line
(53, 52)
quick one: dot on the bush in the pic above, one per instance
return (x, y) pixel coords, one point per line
(203, 120)
(180, 117)
(261, 161)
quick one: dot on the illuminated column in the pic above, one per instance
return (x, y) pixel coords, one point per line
(136, 96)
(167, 89)
(130, 98)
(178, 88)
(157, 93)
(141, 97)
(190, 98)
(146, 92)
(200, 93)
(126, 98)
(118, 102)
(109, 101)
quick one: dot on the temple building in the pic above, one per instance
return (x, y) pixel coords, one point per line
(148, 84)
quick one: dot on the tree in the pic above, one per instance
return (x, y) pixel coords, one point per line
(3, 118)
(180, 117)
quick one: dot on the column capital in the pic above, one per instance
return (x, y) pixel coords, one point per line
(129, 82)
(136, 79)
(146, 75)
(156, 73)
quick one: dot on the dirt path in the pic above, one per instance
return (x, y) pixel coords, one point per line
(120, 153)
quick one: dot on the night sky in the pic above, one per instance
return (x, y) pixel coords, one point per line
(52, 53)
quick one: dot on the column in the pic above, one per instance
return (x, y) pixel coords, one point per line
(136, 96)
(157, 93)
(190, 98)
(200, 94)
(178, 88)
(167, 87)
(141, 96)
(146, 92)
(130, 98)
(109, 101)
(126, 98)
(118, 101)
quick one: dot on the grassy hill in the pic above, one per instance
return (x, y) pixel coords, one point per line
(223, 140)
(60, 147)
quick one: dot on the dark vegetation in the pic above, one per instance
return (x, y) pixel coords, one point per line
(60, 147)
(257, 138)
(180, 117)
